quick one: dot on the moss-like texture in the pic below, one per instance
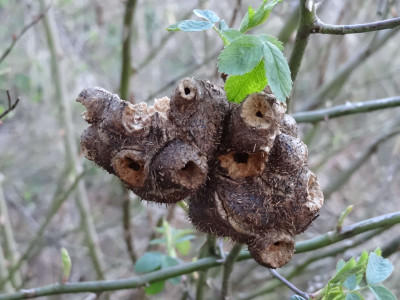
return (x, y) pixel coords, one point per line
(242, 167)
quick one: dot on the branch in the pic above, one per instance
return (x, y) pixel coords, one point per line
(55, 206)
(15, 38)
(321, 241)
(320, 27)
(289, 284)
(303, 34)
(229, 263)
(126, 49)
(10, 106)
(347, 109)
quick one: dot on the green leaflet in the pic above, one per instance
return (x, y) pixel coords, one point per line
(256, 17)
(241, 56)
(239, 86)
(190, 26)
(277, 71)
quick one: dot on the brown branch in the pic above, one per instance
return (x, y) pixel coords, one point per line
(15, 38)
(320, 27)
(11, 106)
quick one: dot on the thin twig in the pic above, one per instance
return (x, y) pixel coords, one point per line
(15, 38)
(347, 109)
(320, 27)
(11, 106)
(289, 284)
(55, 206)
(344, 176)
(228, 267)
(321, 241)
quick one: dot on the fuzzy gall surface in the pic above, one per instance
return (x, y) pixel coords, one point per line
(242, 167)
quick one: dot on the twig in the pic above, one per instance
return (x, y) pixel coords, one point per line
(321, 241)
(11, 106)
(347, 109)
(15, 38)
(301, 41)
(344, 176)
(206, 250)
(320, 27)
(126, 49)
(10, 246)
(297, 270)
(126, 209)
(55, 206)
(335, 84)
(64, 104)
(289, 284)
(228, 267)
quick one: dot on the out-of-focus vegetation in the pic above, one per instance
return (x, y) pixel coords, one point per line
(356, 157)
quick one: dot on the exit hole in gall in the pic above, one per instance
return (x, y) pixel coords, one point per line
(187, 91)
(259, 114)
(241, 157)
(133, 165)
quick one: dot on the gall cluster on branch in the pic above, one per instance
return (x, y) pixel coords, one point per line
(241, 168)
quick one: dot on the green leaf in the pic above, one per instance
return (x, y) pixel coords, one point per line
(183, 247)
(296, 297)
(351, 282)
(277, 71)
(271, 39)
(206, 14)
(256, 17)
(378, 251)
(150, 261)
(190, 26)
(154, 288)
(382, 293)
(335, 293)
(340, 264)
(362, 261)
(241, 56)
(378, 268)
(167, 262)
(66, 264)
(350, 268)
(354, 296)
(185, 238)
(229, 35)
(157, 241)
(239, 86)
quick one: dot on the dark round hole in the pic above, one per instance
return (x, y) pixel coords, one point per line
(277, 243)
(241, 157)
(259, 114)
(133, 164)
(187, 91)
(189, 166)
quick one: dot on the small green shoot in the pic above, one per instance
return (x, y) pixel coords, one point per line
(66, 265)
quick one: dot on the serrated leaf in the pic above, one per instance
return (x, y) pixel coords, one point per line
(351, 282)
(256, 17)
(206, 14)
(190, 26)
(378, 251)
(241, 56)
(296, 297)
(362, 261)
(167, 262)
(382, 293)
(273, 40)
(340, 264)
(347, 270)
(378, 268)
(239, 86)
(183, 247)
(354, 296)
(150, 261)
(154, 288)
(277, 71)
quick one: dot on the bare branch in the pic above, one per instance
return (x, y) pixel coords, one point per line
(320, 27)
(15, 38)
(346, 109)
(11, 106)
(289, 284)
